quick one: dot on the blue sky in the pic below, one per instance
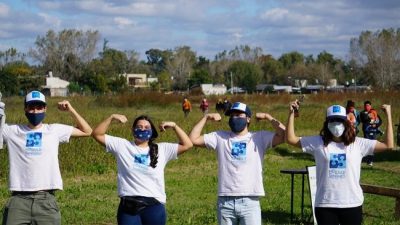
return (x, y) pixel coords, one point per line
(207, 26)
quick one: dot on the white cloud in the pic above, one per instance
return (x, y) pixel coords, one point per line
(123, 22)
(4, 10)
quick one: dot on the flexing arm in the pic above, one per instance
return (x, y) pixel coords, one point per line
(291, 137)
(99, 132)
(279, 136)
(184, 140)
(82, 128)
(195, 135)
(388, 144)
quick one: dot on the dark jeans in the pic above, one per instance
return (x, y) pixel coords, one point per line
(336, 216)
(151, 215)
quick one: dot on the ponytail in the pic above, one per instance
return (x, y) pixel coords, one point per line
(153, 152)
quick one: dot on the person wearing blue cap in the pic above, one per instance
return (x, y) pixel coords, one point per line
(338, 153)
(34, 168)
(240, 155)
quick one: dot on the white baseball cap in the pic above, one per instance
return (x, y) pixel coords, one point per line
(35, 97)
(336, 111)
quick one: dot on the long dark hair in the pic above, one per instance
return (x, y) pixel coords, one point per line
(153, 152)
(348, 136)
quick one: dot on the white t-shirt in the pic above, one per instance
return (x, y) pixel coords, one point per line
(240, 161)
(33, 156)
(338, 170)
(135, 176)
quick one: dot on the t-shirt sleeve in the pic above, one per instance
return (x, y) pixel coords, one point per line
(366, 146)
(5, 131)
(210, 140)
(113, 143)
(170, 150)
(63, 132)
(266, 138)
(311, 143)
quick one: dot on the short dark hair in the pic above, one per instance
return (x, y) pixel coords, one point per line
(367, 102)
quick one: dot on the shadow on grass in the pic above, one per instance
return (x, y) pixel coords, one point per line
(280, 217)
(388, 156)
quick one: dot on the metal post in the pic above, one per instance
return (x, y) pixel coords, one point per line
(231, 84)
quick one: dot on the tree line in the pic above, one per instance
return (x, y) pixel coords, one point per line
(72, 55)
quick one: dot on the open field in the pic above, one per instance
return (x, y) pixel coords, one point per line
(89, 173)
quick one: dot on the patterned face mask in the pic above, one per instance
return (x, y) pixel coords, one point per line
(336, 128)
(143, 135)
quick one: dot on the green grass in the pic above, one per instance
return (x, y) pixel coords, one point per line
(89, 173)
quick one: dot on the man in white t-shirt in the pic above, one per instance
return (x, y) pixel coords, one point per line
(34, 169)
(240, 155)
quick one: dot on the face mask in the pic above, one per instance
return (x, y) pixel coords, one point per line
(143, 135)
(237, 124)
(35, 118)
(336, 128)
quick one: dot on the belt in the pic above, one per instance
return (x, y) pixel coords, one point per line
(52, 192)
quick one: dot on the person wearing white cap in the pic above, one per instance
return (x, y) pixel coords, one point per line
(240, 155)
(34, 168)
(338, 153)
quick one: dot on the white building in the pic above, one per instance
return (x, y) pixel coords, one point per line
(213, 89)
(138, 80)
(56, 86)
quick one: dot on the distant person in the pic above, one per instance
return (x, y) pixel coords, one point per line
(34, 174)
(370, 125)
(219, 106)
(227, 104)
(240, 155)
(186, 107)
(338, 154)
(204, 106)
(141, 164)
(353, 114)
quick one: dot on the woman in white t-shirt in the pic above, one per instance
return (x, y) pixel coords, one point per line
(338, 153)
(141, 164)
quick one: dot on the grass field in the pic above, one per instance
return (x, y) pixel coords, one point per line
(89, 173)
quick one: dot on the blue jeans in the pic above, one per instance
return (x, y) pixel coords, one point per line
(244, 210)
(152, 215)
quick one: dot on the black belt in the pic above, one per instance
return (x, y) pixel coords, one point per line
(14, 193)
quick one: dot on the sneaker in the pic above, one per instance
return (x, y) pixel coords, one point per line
(370, 163)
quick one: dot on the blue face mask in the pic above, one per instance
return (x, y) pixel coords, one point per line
(237, 124)
(143, 135)
(35, 118)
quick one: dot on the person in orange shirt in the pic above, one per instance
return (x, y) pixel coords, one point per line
(186, 107)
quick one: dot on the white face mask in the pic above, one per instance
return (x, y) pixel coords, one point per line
(336, 128)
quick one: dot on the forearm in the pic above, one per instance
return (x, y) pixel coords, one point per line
(389, 139)
(101, 129)
(81, 123)
(196, 131)
(291, 137)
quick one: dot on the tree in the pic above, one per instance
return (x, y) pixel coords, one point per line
(180, 65)
(289, 60)
(245, 74)
(65, 52)
(379, 52)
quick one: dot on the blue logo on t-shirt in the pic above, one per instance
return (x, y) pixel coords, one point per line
(337, 166)
(337, 161)
(142, 159)
(34, 140)
(238, 150)
(33, 143)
